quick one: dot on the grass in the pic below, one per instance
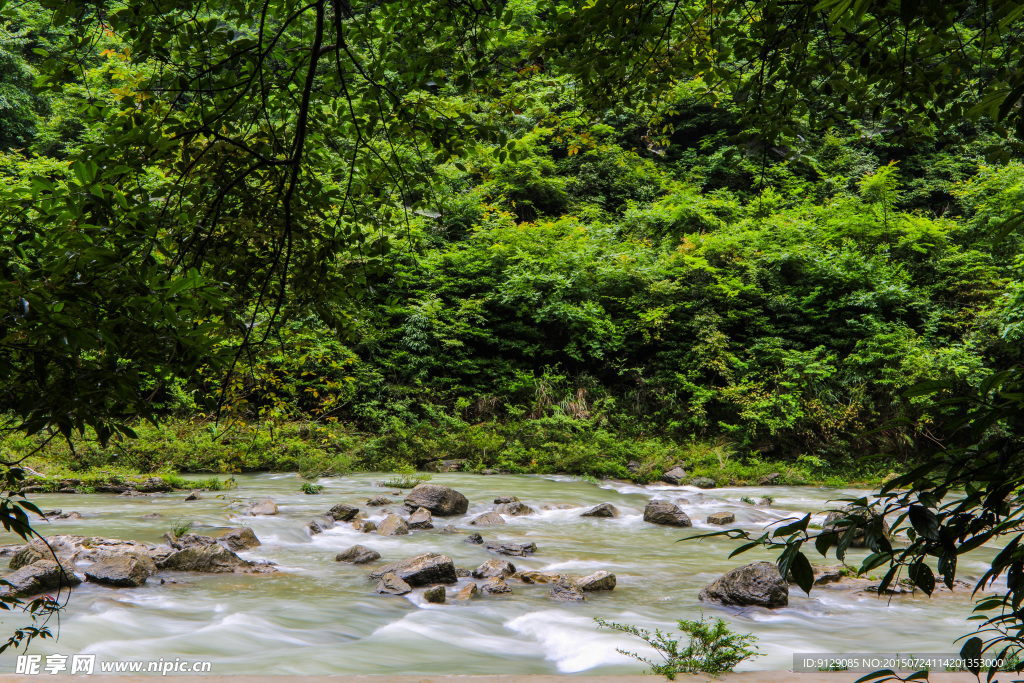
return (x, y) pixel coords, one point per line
(311, 489)
(546, 445)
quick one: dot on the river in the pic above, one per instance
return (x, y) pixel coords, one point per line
(318, 616)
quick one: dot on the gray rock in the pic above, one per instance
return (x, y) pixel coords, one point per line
(565, 589)
(475, 538)
(357, 554)
(449, 529)
(434, 595)
(421, 570)
(665, 513)
(721, 518)
(440, 500)
(494, 567)
(152, 515)
(188, 540)
(420, 519)
(313, 528)
(501, 500)
(862, 516)
(758, 584)
(467, 592)
(239, 538)
(703, 482)
(393, 525)
(343, 512)
(38, 577)
(495, 586)
(30, 554)
(487, 519)
(602, 510)
(263, 507)
(70, 515)
(368, 527)
(444, 465)
(674, 476)
(193, 495)
(598, 581)
(213, 559)
(392, 584)
(462, 572)
(123, 571)
(515, 509)
(769, 479)
(378, 501)
(517, 549)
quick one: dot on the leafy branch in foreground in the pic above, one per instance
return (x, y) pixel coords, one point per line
(712, 648)
(960, 499)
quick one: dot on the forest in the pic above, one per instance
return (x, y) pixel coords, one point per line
(769, 243)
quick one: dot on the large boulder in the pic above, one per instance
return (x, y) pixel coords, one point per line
(515, 509)
(30, 554)
(420, 519)
(703, 482)
(74, 549)
(357, 554)
(862, 516)
(421, 570)
(123, 571)
(263, 507)
(598, 581)
(393, 525)
(440, 500)
(487, 519)
(565, 589)
(343, 512)
(494, 567)
(392, 584)
(241, 538)
(38, 577)
(211, 559)
(665, 513)
(758, 584)
(674, 476)
(602, 510)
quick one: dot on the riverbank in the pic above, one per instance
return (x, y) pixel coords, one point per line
(200, 446)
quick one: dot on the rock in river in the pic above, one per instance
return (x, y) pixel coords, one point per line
(759, 584)
(421, 570)
(602, 510)
(487, 519)
(565, 589)
(598, 581)
(358, 554)
(118, 570)
(392, 584)
(517, 549)
(515, 509)
(495, 567)
(213, 559)
(420, 519)
(440, 500)
(721, 518)
(666, 513)
(240, 538)
(38, 577)
(496, 586)
(393, 525)
(263, 507)
(435, 595)
(343, 512)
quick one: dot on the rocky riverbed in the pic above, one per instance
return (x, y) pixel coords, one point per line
(466, 574)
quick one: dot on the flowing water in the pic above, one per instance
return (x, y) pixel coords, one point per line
(318, 616)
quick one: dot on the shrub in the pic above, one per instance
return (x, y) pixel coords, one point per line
(712, 648)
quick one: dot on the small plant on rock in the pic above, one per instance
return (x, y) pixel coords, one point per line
(712, 649)
(312, 489)
(181, 528)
